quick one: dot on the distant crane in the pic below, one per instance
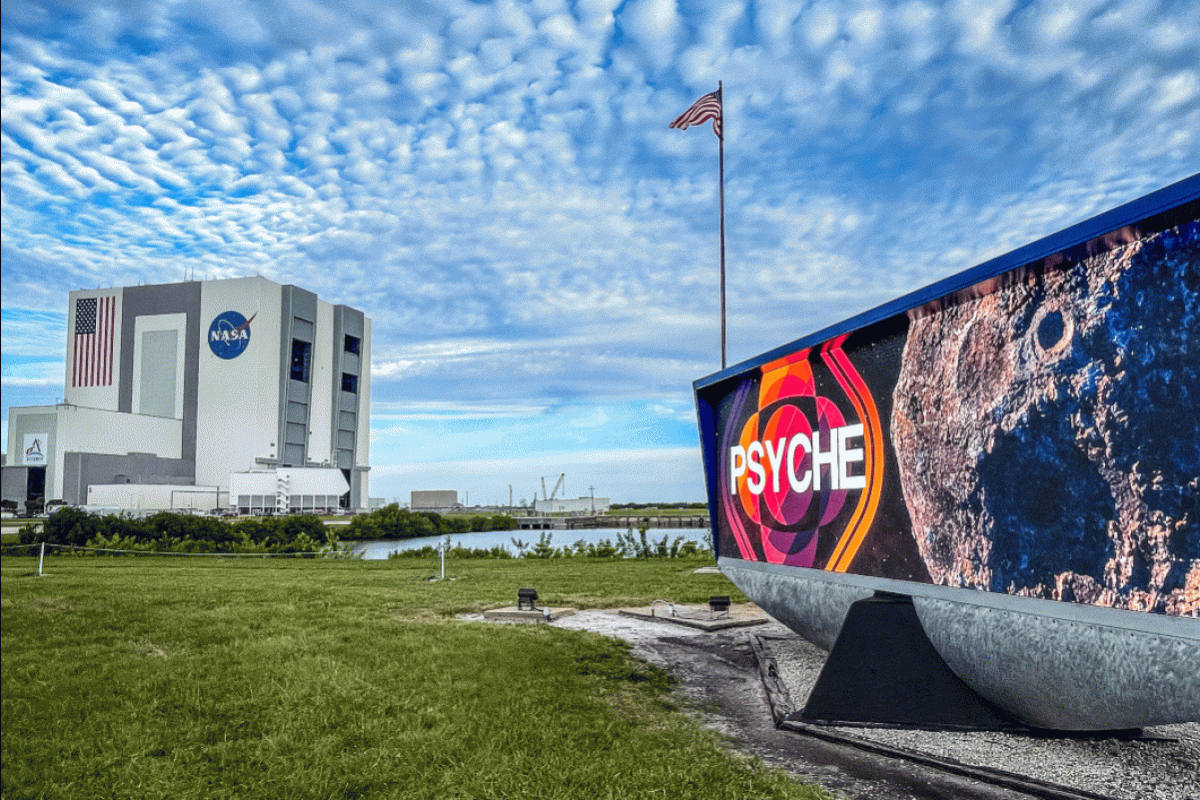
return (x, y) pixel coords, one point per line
(557, 486)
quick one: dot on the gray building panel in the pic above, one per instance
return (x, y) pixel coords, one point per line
(297, 413)
(170, 298)
(14, 485)
(81, 470)
(348, 322)
(31, 420)
(435, 498)
(298, 324)
(160, 350)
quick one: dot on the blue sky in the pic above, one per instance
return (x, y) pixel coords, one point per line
(496, 186)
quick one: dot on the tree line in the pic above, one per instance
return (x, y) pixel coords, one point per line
(172, 532)
(394, 522)
(167, 532)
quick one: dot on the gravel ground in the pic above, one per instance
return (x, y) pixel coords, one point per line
(1164, 766)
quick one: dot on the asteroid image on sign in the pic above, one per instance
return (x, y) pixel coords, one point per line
(1047, 431)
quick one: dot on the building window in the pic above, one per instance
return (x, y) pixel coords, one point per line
(352, 344)
(301, 359)
(349, 383)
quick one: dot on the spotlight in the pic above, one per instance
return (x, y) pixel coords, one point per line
(527, 596)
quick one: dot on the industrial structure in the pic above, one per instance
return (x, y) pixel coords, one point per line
(241, 393)
(577, 505)
(434, 500)
(551, 503)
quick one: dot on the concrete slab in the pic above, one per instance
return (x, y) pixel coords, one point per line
(513, 614)
(700, 616)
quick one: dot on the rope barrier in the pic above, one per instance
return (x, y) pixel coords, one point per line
(32, 548)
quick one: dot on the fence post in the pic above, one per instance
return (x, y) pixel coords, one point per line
(41, 556)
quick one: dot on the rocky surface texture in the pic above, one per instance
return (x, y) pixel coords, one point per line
(1048, 430)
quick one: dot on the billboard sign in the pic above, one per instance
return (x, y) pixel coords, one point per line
(1034, 430)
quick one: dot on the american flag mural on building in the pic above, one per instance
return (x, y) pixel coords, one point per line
(95, 319)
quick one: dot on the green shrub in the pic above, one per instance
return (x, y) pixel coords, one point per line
(394, 522)
(185, 533)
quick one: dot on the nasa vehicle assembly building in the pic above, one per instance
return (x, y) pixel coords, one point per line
(239, 393)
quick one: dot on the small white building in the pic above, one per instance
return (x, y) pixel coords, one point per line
(155, 497)
(433, 499)
(284, 490)
(581, 505)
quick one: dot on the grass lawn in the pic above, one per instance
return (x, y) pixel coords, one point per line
(199, 678)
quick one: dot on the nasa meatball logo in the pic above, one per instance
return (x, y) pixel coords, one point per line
(229, 334)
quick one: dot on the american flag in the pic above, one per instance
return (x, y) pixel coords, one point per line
(94, 325)
(704, 109)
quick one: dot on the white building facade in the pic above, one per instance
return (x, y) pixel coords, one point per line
(185, 384)
(579, 505)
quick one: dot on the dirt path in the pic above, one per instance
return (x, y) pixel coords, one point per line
(719, 676)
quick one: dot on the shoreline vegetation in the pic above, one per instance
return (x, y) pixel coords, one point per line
(624, 545)
(77, 532)
(161, 677)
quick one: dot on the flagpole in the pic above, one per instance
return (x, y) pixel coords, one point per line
(703, 110)
(721, 157)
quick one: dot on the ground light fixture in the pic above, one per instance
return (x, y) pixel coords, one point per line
(527, 598)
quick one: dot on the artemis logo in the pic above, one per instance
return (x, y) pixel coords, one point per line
(229, 334)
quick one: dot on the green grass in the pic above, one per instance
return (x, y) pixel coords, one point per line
(196, 678)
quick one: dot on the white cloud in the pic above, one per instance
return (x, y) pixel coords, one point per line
(655, 26)
(819, 26)
(1176, 90)
(51, 378)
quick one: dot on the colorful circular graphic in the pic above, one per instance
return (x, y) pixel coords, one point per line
(229, 335)
(798, 468)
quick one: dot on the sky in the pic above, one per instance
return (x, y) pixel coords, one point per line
(496, 186)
